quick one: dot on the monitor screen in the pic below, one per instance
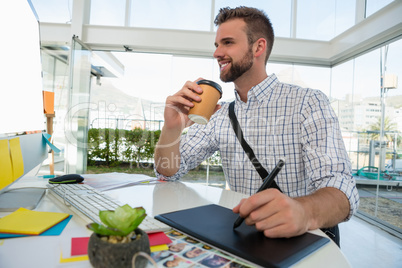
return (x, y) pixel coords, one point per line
(21, 103)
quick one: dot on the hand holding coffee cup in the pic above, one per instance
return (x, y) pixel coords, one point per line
(202, 111)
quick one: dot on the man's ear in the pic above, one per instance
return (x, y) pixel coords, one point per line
(260, 46)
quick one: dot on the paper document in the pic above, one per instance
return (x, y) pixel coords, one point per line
(115, 180)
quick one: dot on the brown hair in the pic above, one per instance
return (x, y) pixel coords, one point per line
(257, 22)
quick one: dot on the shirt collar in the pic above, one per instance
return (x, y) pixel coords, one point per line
(260, 91)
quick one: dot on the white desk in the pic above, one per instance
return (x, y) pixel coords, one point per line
(44, 251)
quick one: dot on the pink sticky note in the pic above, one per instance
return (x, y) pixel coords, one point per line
(79, 246)
(159, 238)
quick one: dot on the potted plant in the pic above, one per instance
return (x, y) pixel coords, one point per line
(116, 242)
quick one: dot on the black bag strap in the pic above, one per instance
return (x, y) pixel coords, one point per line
(247, 149)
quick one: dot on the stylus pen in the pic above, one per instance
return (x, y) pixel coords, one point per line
(267, 182)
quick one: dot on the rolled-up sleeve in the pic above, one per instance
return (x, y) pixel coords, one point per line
(195, 146)
(327, 162)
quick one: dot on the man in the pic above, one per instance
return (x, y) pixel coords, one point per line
(279, 121)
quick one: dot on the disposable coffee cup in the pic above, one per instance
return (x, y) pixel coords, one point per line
(202, 111)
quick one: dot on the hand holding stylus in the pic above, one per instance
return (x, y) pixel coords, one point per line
(278, 215)
(265, 185)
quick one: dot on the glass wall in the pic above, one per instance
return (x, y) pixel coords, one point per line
(173, 14)
(76, 120)
(55, 79)
(108, 12)
(279, 12)
(59, 11)
(323, 20)
(356, 98)
(373, 6)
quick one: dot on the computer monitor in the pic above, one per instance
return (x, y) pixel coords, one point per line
(21, 101)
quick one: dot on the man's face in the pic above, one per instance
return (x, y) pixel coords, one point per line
(234, 54)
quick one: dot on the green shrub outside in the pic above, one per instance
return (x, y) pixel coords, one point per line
(111, 147)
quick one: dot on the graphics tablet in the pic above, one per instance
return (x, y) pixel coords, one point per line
(213, 225)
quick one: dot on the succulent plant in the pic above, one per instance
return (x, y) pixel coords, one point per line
(119, 222)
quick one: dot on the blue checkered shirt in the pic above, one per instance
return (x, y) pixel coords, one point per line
(278, 121)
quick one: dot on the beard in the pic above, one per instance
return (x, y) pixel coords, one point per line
(238, 68)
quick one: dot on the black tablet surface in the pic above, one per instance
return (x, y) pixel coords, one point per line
(213, 224)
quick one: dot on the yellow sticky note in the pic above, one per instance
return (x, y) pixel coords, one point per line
(16, 158)
(6, 172)
(159, 248)
(25, 221)
(73, 259)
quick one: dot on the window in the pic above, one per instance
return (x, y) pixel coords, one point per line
(323, 20)
(313, 77)
(279, 12)
(172, 14)
(342, 80)
(53, 11)
(367, 75)
(105, 12)
(373, 6)
(304, 76)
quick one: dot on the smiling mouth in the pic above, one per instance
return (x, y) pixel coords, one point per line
(223, 66)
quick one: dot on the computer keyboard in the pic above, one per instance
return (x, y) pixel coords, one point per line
(88, 201)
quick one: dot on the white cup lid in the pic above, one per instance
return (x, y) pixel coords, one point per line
(198, 119)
